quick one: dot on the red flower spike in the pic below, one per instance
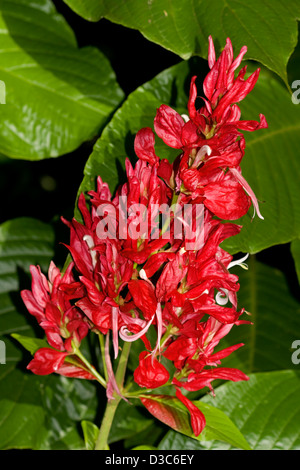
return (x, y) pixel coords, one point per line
(131, 275)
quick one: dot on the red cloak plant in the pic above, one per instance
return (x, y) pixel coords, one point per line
(131, 273)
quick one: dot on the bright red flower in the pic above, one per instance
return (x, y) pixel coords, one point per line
(47, 361)
(197, 381)
(49, 302)
(64, 324)
(144, 146)
(143, 297)
(150, 373)
(214, 127)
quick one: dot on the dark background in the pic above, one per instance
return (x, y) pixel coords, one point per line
(47, 189)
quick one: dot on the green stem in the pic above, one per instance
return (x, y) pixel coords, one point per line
(102, 347)
(144, 391)
(107, 420)
(90, 367)
(120, 374)
(112, 405)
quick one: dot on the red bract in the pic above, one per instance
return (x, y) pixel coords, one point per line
(143, 297)
(47, 361)
(65, 326)
(197, 417)
(150, 373)
(144, 146)
(198, 381)
(216, 127)
(144, 193)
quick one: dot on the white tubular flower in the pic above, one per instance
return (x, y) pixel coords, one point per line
(239, 262)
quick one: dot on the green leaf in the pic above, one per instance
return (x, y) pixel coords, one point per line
(144, 448)
(30, 344)
(43, 413)
(57, 95)
(90, 434)
(172, 412)
(129, 421)
(275, 313)
(266, 409)
(88, 9)
(183, 26)
(67, 403)
(22, 415)
(23, 242)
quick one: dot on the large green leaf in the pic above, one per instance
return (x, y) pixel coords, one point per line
(183, 26)
(21, 413)
(266, 410)
(274, 179)
(275, 313)
(23, 242)
(43, 413)
(57, 95)
(128, 422)
(89, 9)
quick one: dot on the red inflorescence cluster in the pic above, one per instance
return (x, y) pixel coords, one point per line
(128, 274)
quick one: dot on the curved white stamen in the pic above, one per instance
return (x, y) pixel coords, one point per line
(185, 117)
(135, 321)
(239, 262)
(90, 243)
(222, 296)
(143, 275)
(127, 336)
(204, 150)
